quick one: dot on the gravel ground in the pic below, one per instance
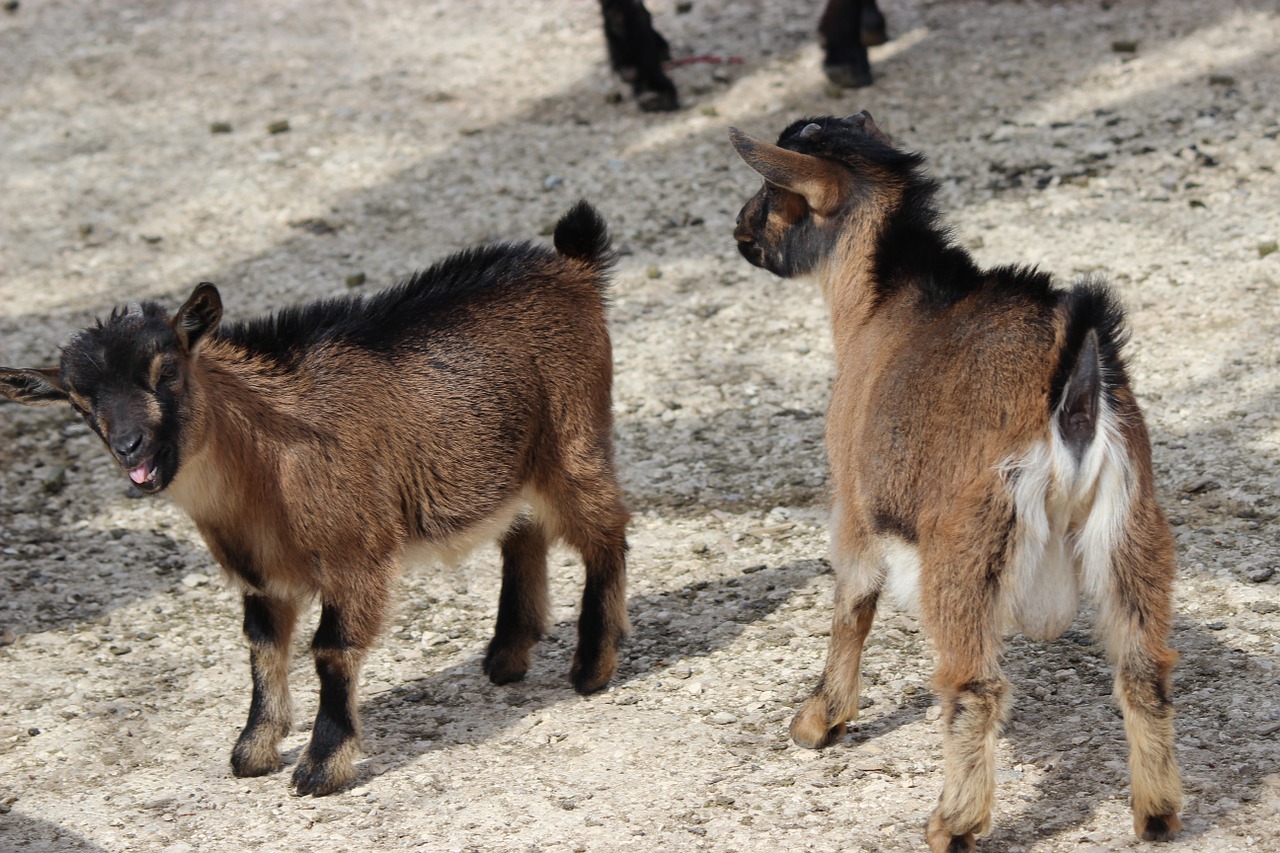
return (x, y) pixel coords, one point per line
(1138, 139)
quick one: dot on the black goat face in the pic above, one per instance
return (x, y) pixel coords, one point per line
(127, 378)
(775, 231)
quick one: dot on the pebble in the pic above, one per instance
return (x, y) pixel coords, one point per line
(281, 126)
(723, 718)
(194, 580)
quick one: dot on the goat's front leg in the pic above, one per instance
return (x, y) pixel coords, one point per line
(268, 625)
(822, 719)
(522, 605)
(346, 632)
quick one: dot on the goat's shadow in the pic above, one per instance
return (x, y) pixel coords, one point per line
(420, 710)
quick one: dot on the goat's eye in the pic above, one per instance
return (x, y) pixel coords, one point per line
(168, 371)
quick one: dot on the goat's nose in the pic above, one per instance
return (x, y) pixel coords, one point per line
(127, 443)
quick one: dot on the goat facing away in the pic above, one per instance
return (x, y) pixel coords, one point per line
(313, 446)
(988, 459)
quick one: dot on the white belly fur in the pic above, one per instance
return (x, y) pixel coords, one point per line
(1069, 517)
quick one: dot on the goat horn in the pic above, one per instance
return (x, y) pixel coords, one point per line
(812, 130)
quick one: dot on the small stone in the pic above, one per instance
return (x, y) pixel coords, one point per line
(723, 718)
(55, 482)
(355, 279)
(1221, 80)
(32, 732)
(120, 650)
(550, 182)
(626, 699)
(934, 713)
(1198, 487)
(8, 638)
(194, 580)
(1215, 625)
(1264, 606)
(710, 112)
(1262, 575)
(281, 126)
(217, 127)
(684, 7)
(1124, 46)
(314, 225)
(680, 671)
(1267, 247)
(694, 688)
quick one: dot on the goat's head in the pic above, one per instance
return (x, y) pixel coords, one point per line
(128, 378)
(823, 173)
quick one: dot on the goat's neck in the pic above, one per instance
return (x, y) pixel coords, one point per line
(224, 445)
(846, 278)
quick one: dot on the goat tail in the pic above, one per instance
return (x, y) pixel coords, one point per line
(1090, 366)
(581, 234)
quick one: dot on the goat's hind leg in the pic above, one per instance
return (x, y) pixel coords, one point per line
(834, 701)
(522, 605)
(592, 518)
(268, 625)
(1136, 614)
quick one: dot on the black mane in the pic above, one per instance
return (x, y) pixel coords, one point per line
(381, 321)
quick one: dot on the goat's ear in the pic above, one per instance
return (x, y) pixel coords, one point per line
(32, 386)
(821, 183)
(199, 316)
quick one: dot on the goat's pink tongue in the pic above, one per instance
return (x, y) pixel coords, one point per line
(139, 474)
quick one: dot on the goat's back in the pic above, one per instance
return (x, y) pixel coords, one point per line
(426, 409)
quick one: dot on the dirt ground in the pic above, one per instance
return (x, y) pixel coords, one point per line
(1135, 139)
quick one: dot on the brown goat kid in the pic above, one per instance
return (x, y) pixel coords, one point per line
(313, 446)
(988, 459)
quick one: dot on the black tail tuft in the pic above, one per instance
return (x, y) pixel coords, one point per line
(1091, 365)
(581, 234)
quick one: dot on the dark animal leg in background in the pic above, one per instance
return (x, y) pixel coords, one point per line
(845, 57)
(874, 31)
(637, 51)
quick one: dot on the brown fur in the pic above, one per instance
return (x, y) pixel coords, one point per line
(311, 461)
(943, 396)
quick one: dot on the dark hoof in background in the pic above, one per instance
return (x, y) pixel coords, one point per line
(849, 76)
(655, 101)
